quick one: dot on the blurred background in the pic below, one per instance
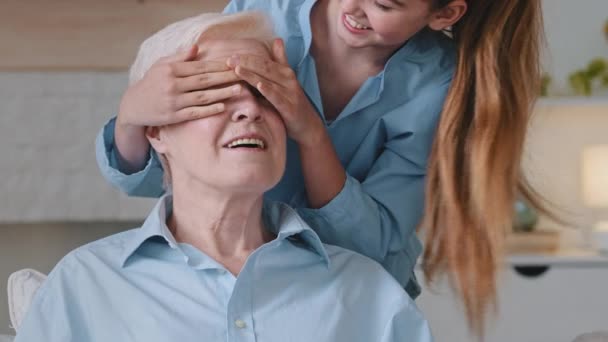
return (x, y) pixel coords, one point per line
(62, 72)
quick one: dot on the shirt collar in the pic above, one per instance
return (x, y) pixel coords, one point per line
(155, 225)
(285, 222)
(279, 218)
(414, 49)
(305, 28)
(415, 54)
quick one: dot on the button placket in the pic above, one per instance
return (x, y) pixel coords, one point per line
(240, 318)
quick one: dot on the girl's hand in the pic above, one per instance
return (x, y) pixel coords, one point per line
(176, 89)
(278, 83)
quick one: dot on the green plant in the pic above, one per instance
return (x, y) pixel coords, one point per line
(584, 81)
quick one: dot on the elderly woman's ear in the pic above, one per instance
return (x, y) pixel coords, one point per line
(156, 139)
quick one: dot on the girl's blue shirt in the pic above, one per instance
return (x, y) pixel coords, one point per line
(383, 138)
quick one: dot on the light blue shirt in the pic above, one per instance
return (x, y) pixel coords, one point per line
(141, 285)
(383, 139)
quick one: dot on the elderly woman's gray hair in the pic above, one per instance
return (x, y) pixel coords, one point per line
(185, 33)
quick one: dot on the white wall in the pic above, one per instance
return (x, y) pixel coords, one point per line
(48, 125)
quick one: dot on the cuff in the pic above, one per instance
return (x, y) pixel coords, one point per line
(109, 165)
(337, 208)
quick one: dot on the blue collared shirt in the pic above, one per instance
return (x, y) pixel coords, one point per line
(383, 139)
(142, 285)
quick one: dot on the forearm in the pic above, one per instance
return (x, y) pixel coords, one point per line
(132, 147)
(324, 175)
(146, 182)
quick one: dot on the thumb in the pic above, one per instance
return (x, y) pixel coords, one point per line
(278, 50)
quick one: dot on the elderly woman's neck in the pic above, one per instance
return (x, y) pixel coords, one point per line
(227, 227)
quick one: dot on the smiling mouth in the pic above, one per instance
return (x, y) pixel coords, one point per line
(355, 25)
(250, 143)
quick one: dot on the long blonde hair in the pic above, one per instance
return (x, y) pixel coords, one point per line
(474, 171)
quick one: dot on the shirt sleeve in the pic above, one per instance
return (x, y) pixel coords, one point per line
(375, 219)
(407, 324)
(51, 317)
(146, 182)
(232, 7)
(243, 5)
(377, 216)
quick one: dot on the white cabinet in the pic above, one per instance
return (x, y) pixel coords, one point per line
(568, 299)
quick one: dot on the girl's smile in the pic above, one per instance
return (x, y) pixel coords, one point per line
(353, 25)
(381, 26)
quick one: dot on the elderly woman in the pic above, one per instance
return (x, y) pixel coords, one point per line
(213, 261)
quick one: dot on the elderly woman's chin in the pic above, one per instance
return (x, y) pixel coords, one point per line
(240, 174)
(249, 179)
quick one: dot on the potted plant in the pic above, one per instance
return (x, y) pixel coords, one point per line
(594, 76)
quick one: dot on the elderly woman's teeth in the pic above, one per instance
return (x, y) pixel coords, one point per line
(352, 22)
(247, 143)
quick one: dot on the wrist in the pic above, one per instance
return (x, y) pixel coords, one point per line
(131, 147)
(128, 106)
(124, 129)
(316, 136)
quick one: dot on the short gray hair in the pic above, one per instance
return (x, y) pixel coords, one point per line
(185, 33)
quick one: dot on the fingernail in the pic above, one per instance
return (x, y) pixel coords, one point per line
(236, 89)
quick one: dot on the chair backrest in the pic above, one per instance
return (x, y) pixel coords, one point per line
(7, 338)
(22, 287)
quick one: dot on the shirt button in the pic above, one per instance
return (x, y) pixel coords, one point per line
(240, 324)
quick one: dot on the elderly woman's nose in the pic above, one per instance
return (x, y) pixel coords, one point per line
(247, 110)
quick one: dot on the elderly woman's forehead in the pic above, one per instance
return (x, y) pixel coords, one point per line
(224, 48)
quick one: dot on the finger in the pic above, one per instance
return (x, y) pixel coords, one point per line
(276, 97)
(250, 77)
(197, 112)
(191, 68)
(259, 65)
(266, 68)
(206, 80)
(192, 53)
(278, 49)
(206, 97)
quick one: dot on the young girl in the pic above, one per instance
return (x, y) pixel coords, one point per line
(361, 86)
